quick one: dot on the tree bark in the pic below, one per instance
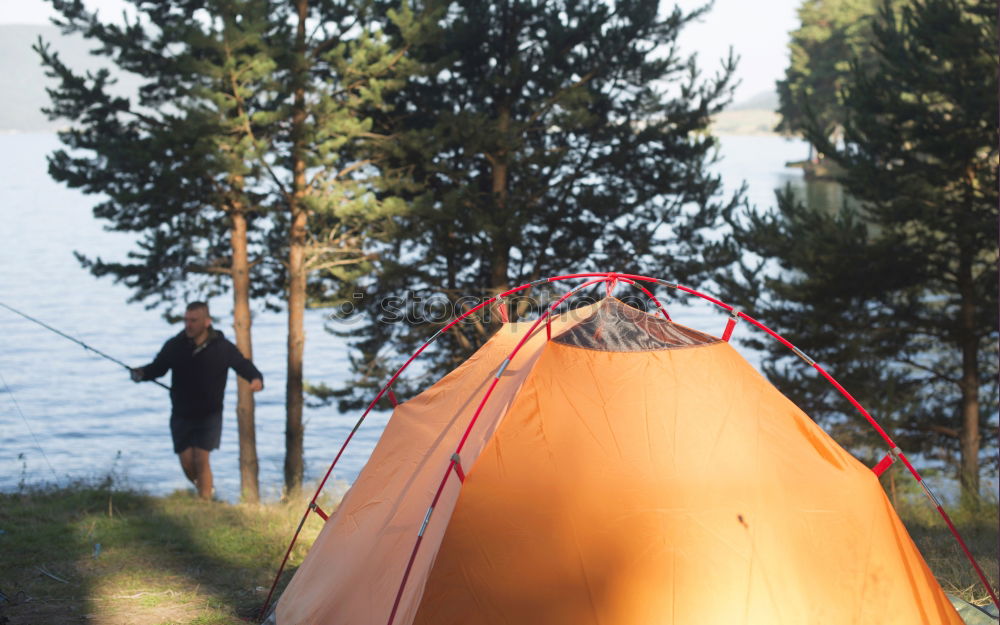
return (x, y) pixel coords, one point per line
(294, 464)
(249, 488)
(970, 436)
(240, 276)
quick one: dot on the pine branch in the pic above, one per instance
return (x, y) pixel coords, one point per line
(934, 373)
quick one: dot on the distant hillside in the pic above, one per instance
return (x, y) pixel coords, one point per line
(23, 80)
(753, 116)
(763, 101)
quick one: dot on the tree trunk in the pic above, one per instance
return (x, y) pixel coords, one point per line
(499, 263)
(249, 488)
(970, 437)
(500, 256)
(294, 464)
(296, 346)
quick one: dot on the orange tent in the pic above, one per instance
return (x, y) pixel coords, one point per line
(625, 470)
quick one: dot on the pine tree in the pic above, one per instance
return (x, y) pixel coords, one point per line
(899, 296)
(325, 175)
(174, 159)
(539, 138)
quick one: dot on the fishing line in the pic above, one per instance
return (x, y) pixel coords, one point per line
(28, 425)
(77, 341)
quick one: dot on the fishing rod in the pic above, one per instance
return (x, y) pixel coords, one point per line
(77, 341)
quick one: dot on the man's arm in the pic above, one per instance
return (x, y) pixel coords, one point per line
(159, 366)
(245, 369)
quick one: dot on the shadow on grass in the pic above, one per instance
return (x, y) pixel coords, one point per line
(87, 554)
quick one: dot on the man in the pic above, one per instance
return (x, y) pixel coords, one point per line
(199, 359)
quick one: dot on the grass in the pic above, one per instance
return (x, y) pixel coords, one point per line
(130, 558)
(177, 560)
(977, 526)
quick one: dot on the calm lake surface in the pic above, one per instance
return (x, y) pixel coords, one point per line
(82, 416)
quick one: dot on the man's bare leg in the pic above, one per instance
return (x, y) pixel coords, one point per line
(187, 463)
(194, 461)
(204, 471)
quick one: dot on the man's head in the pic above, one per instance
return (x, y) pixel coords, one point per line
(197, 321)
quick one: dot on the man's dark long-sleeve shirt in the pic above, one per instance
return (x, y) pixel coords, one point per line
(198, 373)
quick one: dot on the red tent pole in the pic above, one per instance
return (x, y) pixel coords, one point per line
(878, 428)
(395, 376)
(468, 431)
(406, 364)
(894, 449)
(648, 294)
(312, 503)
(524, 339)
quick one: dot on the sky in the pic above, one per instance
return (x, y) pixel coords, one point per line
(757, 30)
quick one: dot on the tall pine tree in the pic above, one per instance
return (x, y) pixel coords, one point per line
(540, 138)
(899, 296)
(334, 71)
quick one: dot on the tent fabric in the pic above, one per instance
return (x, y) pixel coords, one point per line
(609, 486)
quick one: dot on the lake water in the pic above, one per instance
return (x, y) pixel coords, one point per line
(83, 418)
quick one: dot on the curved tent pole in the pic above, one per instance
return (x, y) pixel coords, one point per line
(613, 279)
(453, 464)
(633, 279)
(313, 506)
(894, 451)
(649, 294)
(386, 388)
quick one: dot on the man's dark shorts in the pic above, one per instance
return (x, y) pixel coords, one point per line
(203, 432)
